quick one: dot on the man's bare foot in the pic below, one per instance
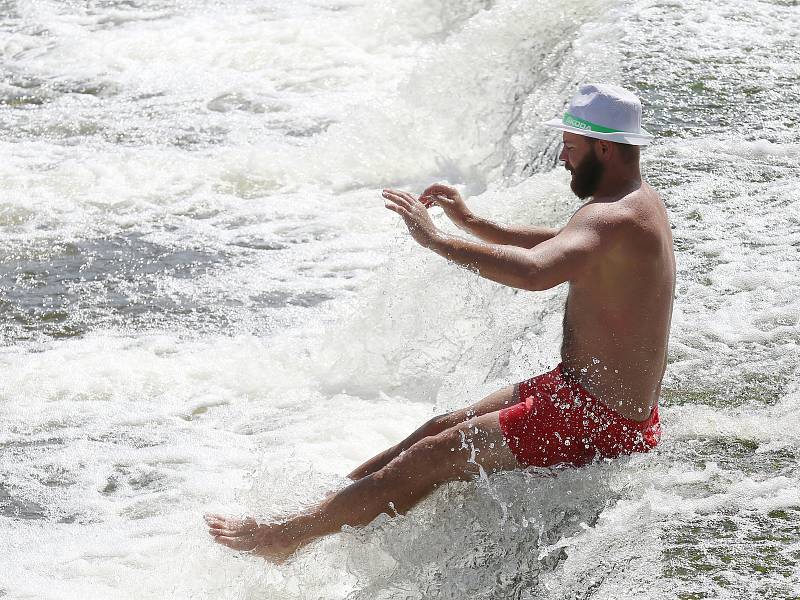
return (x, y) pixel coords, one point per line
(275, 541)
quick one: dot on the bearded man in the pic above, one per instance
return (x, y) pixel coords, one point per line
(616, 254)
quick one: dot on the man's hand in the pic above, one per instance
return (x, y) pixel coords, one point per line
(450, 200)
(414, 214)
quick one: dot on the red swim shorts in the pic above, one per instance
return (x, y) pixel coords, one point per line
(559, 422)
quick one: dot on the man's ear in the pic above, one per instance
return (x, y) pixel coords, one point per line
(603, 150)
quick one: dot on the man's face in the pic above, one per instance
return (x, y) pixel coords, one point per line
(581, 160)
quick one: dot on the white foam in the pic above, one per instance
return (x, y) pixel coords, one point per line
(261, 134)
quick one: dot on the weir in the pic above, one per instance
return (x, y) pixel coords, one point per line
(204, 305)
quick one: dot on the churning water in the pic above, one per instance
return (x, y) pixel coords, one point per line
(205, 306)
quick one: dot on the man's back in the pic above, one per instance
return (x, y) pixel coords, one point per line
(617, 318)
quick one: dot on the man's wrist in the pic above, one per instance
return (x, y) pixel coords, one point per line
(439, 242)
(468, 220)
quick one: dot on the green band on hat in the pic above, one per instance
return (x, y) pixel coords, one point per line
(588, 125)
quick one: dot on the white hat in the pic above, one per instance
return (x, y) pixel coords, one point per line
(606, 112)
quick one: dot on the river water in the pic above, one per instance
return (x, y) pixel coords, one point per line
(204, 305)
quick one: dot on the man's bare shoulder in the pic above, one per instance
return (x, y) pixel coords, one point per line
(643, 220)
(602, 217)
(635, 218)
(642, 202)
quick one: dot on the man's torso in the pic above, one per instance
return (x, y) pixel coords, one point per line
(617, 316)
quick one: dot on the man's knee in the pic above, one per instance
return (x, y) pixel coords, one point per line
(453, 419)
(479, 441)
(443, 422)
(452, 453)
(431, 456)
(456, 453)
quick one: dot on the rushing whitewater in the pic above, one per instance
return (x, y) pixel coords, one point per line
(205, 307)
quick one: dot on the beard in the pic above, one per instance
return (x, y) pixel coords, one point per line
(586, 176)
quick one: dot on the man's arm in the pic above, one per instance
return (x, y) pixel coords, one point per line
(550, 263)
(509, 235)
(456, 210)
(561, 258)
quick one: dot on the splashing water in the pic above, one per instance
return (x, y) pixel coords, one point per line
(206, 306)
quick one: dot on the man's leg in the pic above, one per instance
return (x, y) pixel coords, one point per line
(457, 453)
(506, 396)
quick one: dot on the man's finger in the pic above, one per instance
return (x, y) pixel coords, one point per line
(220, 522)
(399, 200)
(427, 201)
(398, 209)
(236, 543)
(408, 197)
(226, 533)
(439, 189)
(225, 527)
(213, 517)
(437, 200)
(398, 192)
(395, 194)
(217, 520)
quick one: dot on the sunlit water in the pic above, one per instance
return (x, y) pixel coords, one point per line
(205, 305)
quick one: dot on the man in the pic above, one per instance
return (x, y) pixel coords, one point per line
(601, 401)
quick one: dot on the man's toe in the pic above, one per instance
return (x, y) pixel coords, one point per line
(235, 543)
